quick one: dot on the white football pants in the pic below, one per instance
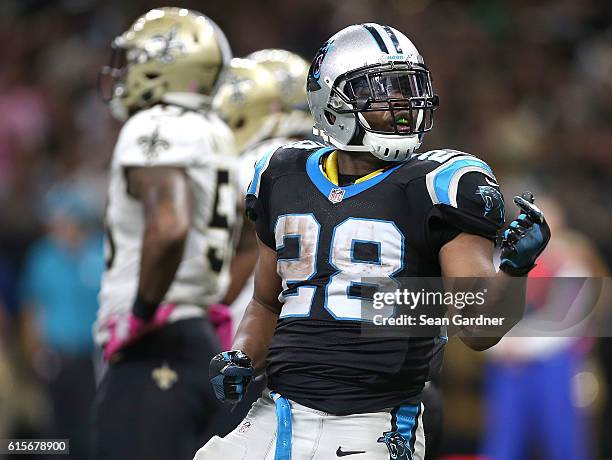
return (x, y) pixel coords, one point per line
(314, 435)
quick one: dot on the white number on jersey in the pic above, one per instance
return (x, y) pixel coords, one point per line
(351, 271)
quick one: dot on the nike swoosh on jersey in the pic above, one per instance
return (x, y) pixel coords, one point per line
(344, 453)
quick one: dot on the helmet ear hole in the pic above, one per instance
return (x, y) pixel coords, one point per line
(239, 123)
(330, 117)
(151, 75)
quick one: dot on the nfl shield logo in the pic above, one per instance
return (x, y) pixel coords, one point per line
(336, 195)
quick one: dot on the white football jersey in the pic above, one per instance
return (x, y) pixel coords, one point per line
(204, 146)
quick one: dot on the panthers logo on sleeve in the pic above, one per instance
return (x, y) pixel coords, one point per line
(465, 191)
(443, 182)
(493, 200)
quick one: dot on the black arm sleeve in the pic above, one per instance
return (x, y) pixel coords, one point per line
(258, 203)
(440, 233)
(256, 211)
(479, 210)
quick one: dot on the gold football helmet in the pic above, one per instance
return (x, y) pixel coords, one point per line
(291, 72)
(249, 101)
(167, 55)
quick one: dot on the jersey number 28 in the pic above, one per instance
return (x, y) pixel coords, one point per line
(381, 241)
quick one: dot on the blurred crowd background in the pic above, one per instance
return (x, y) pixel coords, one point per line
(525, 85)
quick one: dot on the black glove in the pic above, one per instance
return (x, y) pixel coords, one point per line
(525, 239)
(230, 374)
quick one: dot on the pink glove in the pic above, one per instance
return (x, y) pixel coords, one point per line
(221, 318)
(127, 329)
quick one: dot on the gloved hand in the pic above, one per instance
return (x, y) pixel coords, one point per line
(126, 329)
(525, 239)
(230, 374)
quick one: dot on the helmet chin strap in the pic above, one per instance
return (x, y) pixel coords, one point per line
(388, 147)
(339, 145)
(391, 147)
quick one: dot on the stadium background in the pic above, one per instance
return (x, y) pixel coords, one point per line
(525, 85)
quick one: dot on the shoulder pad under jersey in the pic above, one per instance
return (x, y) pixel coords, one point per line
(171, 136)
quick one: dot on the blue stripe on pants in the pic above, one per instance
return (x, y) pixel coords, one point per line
(283, 434)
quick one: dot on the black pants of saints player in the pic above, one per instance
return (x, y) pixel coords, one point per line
(156, 402)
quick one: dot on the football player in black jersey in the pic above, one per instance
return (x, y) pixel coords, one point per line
(328, 216)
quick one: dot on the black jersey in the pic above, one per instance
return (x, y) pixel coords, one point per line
(328, 237)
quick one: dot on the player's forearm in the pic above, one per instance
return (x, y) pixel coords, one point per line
(166, 200)
(255, 333)
(162, 252)
(504, 303)
(467, 267)
(243, 263)
(505, 295)
(241, 269)
(522, 242)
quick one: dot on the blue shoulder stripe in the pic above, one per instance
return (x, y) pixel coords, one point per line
(442, 182)
(260, 167)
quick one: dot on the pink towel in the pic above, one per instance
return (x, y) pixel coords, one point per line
(221, 319)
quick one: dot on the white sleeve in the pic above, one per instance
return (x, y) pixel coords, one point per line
(245, 173)
(168, 137)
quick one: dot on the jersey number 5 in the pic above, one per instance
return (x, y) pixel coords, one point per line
(219, 222)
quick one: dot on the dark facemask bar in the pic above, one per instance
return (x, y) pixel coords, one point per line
(110, 75)
(362, 93)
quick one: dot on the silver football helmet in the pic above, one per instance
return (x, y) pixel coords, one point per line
(371, 72)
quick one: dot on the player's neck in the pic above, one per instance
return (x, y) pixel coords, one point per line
(358, 163)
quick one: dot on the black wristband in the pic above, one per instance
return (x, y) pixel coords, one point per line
(143, 309)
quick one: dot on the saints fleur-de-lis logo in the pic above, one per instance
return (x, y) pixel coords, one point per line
(238, 87)
(151, 145)
(164, 377)
(165, 47)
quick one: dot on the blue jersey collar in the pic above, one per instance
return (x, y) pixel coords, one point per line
(326, 187)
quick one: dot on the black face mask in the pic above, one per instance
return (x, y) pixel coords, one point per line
(401, 92)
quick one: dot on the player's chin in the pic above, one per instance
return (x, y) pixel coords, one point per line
(361, 155)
